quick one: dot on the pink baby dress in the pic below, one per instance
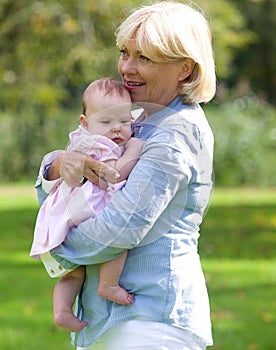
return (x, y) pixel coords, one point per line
(67, 206)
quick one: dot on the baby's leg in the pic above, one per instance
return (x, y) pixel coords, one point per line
(109, 281)
(65, 293)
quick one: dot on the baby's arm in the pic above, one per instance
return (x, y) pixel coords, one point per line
(127, 161)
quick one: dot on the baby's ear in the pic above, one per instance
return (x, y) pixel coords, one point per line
(83, 120)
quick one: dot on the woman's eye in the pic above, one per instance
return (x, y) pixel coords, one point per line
(143, 58)
(123, 53)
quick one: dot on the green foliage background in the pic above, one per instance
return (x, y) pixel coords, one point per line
(51, 50)
(245, 142)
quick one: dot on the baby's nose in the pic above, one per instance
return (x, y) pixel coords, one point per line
(116, 128)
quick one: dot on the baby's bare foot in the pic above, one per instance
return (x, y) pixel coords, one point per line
(116, 294)
(69, 322)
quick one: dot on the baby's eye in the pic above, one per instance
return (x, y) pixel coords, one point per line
(125, 121)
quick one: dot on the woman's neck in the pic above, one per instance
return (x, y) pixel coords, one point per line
(148, 110)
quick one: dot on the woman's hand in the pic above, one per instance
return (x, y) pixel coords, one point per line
(73, 166)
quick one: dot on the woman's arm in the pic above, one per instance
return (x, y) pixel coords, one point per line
(132, 212)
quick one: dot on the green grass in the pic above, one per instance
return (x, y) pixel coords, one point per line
(26, 290)
(237, 245)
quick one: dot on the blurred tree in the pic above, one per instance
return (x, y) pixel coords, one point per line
(51, 49)
(230, 32)
(254, 65)
(245, 141)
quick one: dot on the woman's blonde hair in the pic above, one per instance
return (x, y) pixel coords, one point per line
(170, 31)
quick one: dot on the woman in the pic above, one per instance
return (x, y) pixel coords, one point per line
(167, 65)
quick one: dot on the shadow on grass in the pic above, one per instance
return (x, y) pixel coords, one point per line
(246, 232)
(17, 229)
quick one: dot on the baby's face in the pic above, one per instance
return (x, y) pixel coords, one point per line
(111, 117)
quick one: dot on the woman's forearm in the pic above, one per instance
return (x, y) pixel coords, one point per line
(130, 215)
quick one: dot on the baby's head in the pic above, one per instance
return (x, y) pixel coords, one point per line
(107, 110)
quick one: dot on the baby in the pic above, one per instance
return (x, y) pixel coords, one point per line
(105, 134)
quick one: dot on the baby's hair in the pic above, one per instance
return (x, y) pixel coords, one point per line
(107, 86)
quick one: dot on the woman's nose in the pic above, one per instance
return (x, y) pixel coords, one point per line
(128, 66)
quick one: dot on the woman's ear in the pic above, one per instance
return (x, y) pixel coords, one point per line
(83, 120)
(186, 69)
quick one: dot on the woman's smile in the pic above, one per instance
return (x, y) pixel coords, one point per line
(132, 84)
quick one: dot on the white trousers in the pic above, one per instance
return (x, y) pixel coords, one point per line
(146, 335)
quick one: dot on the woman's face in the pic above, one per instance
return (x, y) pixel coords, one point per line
(157, 83)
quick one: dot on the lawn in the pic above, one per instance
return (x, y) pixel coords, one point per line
(238, 245)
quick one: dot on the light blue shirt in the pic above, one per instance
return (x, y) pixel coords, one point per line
(156, 216)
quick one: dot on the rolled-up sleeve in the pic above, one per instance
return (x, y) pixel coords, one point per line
(133, 211)
(42, 185)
